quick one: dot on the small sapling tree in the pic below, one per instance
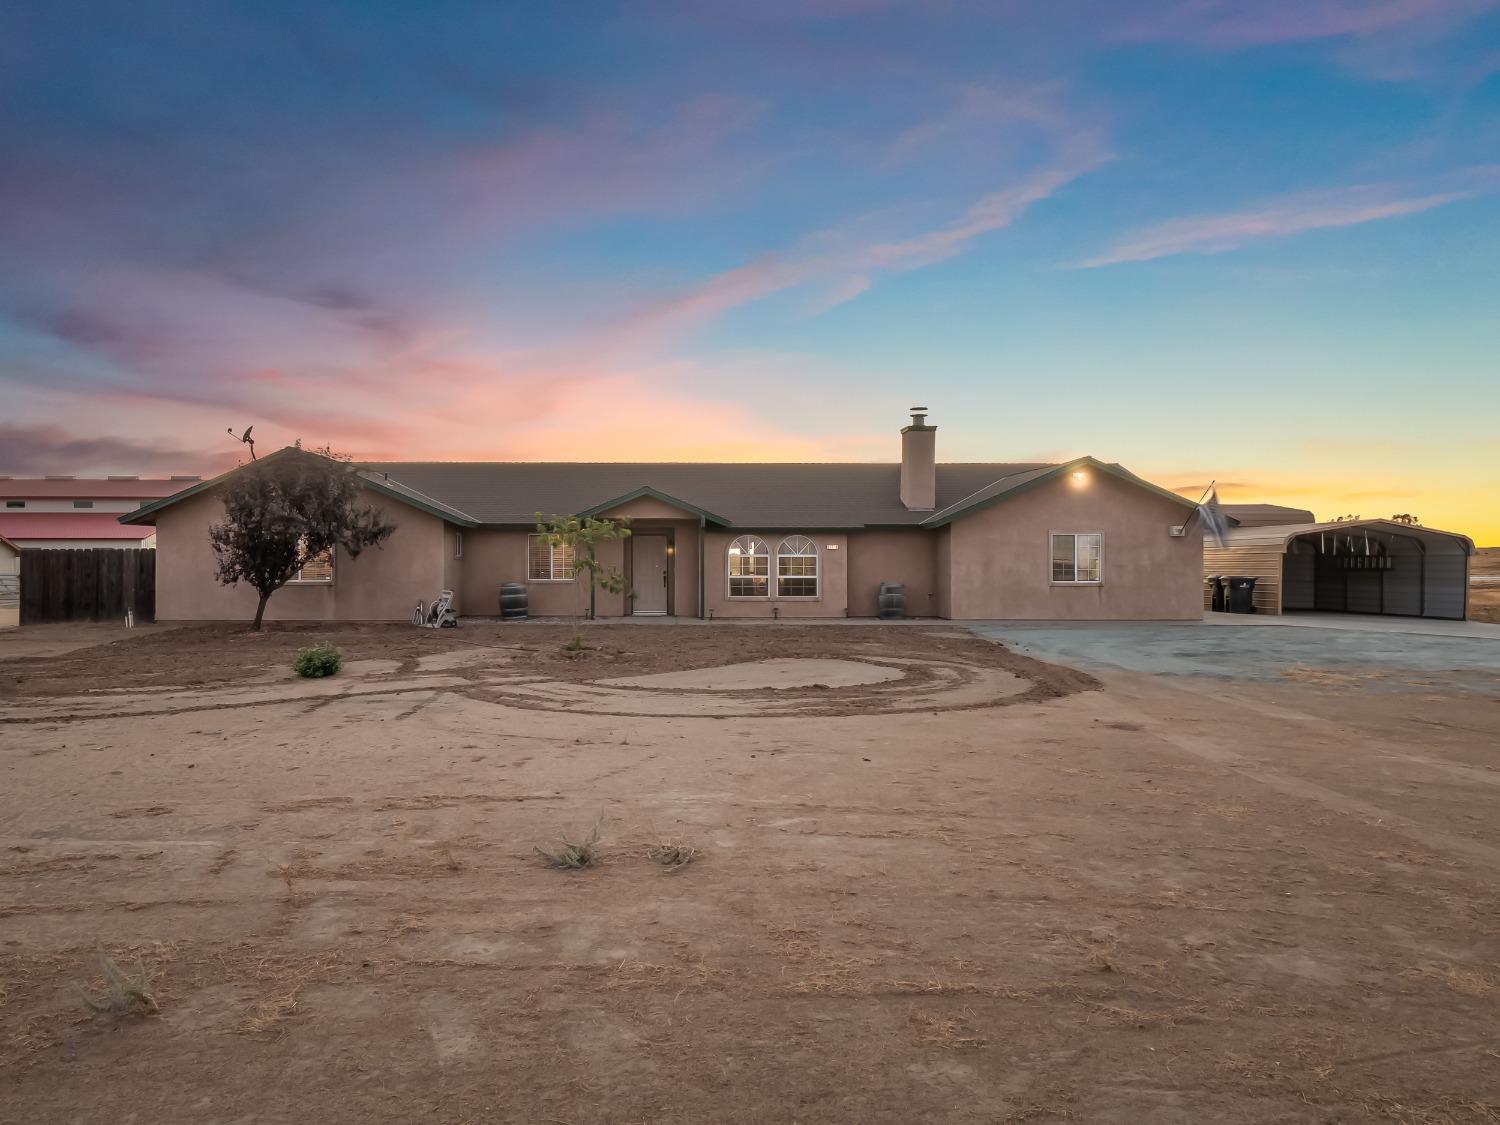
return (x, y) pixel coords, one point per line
(283, 513)
(582, 537)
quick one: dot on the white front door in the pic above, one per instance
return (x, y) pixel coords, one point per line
(649, 562)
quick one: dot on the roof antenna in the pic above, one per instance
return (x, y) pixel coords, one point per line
(244, 437)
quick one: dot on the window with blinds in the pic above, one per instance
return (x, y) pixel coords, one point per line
(319, 568)
(550, 563)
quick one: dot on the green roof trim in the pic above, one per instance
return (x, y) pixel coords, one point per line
(979, 501)
(395, 490)
(654, 494)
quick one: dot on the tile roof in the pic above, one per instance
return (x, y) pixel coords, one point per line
(69, 525)
(763, 495)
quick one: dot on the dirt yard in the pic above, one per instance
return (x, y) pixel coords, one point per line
(931, 880)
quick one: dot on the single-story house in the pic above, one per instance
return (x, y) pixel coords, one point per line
(1081, 540)
(10, 584)
(1348, 566)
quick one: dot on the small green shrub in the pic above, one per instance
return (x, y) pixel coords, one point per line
(320, 660)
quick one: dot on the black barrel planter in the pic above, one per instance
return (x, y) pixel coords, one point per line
(892, 600)
(513, 602)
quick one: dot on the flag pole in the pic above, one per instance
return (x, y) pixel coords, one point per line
(1198, 507)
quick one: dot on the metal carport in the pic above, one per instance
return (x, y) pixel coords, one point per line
(1356, 566)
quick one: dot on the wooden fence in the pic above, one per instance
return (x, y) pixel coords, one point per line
(92, 584)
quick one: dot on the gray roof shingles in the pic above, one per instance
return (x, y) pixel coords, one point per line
(766, 495)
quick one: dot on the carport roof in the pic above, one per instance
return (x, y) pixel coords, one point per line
(1283, 534)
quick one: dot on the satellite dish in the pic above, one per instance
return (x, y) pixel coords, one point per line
(244, 437)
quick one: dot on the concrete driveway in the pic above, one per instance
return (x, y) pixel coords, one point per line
(1264, 648)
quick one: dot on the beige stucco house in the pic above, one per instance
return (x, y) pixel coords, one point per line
(1081, 540)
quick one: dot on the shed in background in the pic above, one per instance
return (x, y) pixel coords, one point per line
(1356, 566)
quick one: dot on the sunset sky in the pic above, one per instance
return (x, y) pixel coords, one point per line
(1256, 241)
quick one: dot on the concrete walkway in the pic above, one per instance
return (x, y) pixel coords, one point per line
(1368, 623)
(1250, 648)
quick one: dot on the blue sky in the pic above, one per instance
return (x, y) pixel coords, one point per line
(1252, 242)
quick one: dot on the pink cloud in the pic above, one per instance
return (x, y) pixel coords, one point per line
(1292, 214)
(36, 450)
(846, 266)
(1234, 24)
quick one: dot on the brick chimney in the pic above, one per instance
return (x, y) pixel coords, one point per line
(919, 463)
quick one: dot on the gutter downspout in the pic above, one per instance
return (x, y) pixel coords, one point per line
(702, 521)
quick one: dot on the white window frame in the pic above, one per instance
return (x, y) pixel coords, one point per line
(817, 574)
(1075, 580)
(333, 569)
(729, 574)
(554, 551)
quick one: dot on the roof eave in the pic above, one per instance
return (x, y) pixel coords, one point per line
(655, 494)
(146, 513)
(422, 504)
(955, 512)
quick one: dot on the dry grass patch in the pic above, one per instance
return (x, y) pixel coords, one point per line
(673, 855)
(1460, 978)
(693, 976)
(375, 865)
(574, 855)
(277, 984)
(121, 993)
(827, 972)
(949, 1033)
(1099, 954)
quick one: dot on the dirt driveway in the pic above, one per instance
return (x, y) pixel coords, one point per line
(935, 881)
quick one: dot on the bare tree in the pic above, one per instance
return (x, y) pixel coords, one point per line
(283, 513)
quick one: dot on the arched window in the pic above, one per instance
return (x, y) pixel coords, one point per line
(749, 568)
(797, 568)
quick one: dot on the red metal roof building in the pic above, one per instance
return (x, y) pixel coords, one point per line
(80, 511)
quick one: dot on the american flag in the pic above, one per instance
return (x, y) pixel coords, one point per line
(1215, 522)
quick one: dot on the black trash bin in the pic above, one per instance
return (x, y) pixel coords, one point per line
(1241, 596)
(1217, 582)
